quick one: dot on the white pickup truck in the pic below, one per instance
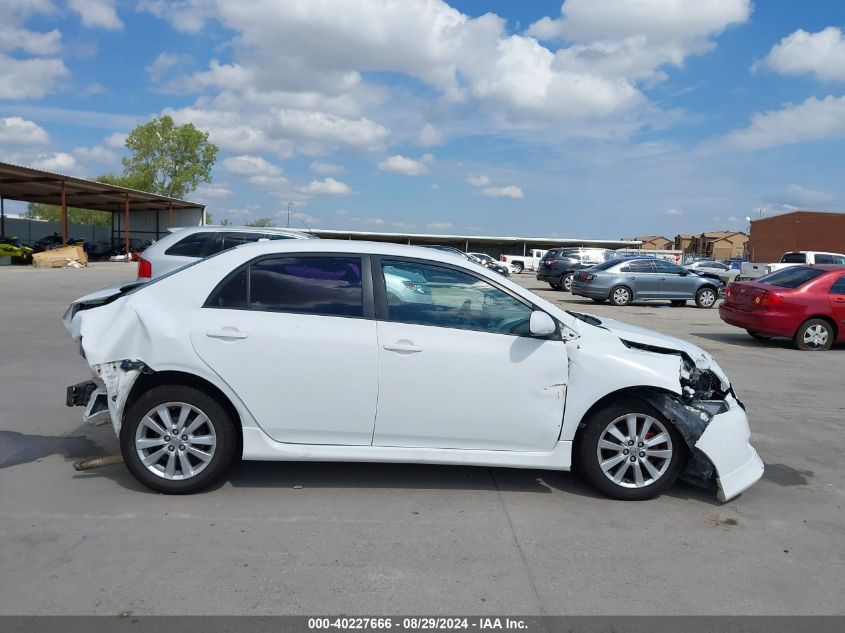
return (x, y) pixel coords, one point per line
(530, 261)
(750, 270)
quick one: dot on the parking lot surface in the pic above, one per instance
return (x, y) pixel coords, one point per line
(317, 538)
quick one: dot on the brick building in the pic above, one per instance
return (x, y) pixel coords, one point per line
(796, 231)
(715, 244)
(652, 242)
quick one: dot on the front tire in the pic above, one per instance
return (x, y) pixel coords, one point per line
(814, 335)
(629, 451)
(620, 296)
(177, 439)
(706, 297)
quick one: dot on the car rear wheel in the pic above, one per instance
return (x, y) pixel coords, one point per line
(814, 335)
(620, 296)
(517, 267)
(177, 439)
(706, 297)
(566, 282)
(629, 451)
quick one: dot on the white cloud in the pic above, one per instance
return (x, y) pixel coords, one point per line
(250, 166)
(810, 120)
(429, 135)
(801, 196)
(821, 54)
(478, 181)
(17, 131)
(435, 187)
(163, 63)
(57, 161)
(29, 78)
(511, 191)
(674, 212)
(116, 140)
(375, 221)
(100, 13)
(13, 34)
(326, 187)
(97, 154)
(327, 169)
(399, 164)
(440, 225)
(213, 191)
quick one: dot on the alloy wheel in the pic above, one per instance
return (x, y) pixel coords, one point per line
(634, 450)
(175, 441)
(816, 336)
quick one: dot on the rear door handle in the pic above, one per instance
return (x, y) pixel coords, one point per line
(839, 299)
(403, 347)
(227, 333)
(662, 278)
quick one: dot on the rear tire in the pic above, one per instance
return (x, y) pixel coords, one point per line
(620, 296)
(566, 282)
(187, 461)
(611, 470)
(706, 297)
(814, 335)
(518, 267)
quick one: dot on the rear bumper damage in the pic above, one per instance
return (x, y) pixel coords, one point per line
(718, 434)
(105, 397)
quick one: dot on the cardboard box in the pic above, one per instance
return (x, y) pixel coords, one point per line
(57, 258)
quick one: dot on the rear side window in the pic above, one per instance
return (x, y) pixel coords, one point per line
(790, 277)
(329, 286)
(642, 266)
(606, 265)
(838, 287)
(194, 245)
(794, 258)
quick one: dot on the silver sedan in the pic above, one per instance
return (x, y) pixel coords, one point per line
(622, 282)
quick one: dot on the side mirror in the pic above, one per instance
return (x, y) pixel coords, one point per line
(541, 324)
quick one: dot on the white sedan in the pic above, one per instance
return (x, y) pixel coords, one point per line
(308, 350)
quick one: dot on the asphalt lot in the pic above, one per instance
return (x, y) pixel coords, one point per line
(398, 539)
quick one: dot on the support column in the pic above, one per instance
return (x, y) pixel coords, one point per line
(2, 218)
(126, 225)
(170, 215)
(64, 215)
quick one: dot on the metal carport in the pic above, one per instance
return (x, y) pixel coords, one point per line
(149, 210)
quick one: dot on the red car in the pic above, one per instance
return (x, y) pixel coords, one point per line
(804, 303)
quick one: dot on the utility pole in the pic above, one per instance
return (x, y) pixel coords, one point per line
(290, 204)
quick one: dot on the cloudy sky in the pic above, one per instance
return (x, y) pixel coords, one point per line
(590, 118)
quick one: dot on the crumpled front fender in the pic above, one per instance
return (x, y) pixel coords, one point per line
(118, 378)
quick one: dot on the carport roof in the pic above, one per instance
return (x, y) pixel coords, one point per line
(34, 185)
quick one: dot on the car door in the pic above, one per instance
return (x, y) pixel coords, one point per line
(837, 303)
(294, 337)
(640, 275)
(673, 281)
(458, 366)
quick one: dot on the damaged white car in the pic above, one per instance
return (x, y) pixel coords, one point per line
(354, 351)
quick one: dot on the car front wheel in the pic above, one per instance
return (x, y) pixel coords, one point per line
(629, 451)
(177, 439)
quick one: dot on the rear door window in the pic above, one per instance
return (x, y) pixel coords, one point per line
(641, 266)
(194, 245)
(838, 287)
(790, 277)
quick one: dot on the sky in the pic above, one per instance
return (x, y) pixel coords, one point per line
(587, 118)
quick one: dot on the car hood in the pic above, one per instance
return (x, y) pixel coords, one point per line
(650, 338)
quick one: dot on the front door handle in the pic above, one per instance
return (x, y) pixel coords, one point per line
(227, 333)
(662, 278)
(839, 299)
(403, 347)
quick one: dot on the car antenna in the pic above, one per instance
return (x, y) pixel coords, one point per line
(307, 227)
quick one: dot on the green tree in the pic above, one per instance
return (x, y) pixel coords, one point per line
(261, 222)
(225, 222)
(168, 159)
(39, 211)
(208, 218)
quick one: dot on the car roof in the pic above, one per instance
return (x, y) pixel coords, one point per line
(349, 246)
(245, 229)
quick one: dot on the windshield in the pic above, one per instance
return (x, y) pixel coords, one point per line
(790, 277)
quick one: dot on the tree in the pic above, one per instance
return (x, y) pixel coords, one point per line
(168, 159)
(208, 218)
(225, 222)
(261, 222)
